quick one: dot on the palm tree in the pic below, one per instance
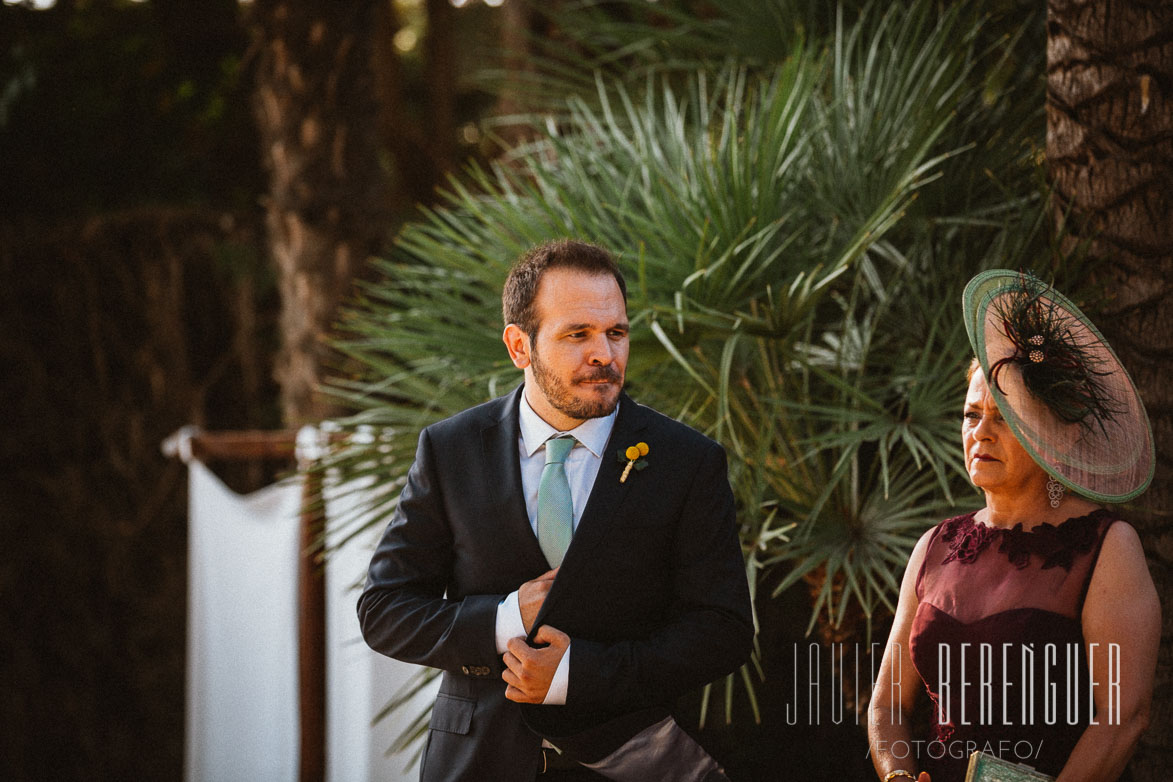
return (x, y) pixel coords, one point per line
(796, 233)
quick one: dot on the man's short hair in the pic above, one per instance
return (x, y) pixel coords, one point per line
(521, 286)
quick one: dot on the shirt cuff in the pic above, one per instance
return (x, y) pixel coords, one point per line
(509, 624)
(556, 695)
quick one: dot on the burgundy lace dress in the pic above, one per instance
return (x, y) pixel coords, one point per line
(998, 641)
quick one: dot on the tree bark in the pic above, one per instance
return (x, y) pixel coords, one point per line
(326, 206)
(1110, 159)
(440, 69)
(325, 214)
(419, 134)
(515, 50)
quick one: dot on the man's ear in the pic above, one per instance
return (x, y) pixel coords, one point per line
(517, 342)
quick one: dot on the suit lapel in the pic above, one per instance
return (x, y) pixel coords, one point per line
(608, 492)
(606, 496)
(503, 473)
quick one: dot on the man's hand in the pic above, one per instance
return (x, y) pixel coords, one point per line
(532, 594)
(529, 671)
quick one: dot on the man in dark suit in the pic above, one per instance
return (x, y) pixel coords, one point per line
(568, 592)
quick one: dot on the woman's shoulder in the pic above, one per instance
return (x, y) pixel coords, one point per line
(1121, 540)
(1121, 590)
(1101, 529)
(964, 530)
(942, 534)
(951, 527)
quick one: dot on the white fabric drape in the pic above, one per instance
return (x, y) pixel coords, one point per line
(242, 721)
(242, 632)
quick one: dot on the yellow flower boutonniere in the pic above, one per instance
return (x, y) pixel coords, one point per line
(634, 456)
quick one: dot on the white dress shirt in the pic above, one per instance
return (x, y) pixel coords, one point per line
(582, 466)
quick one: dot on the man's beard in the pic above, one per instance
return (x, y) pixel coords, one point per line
(561, 396)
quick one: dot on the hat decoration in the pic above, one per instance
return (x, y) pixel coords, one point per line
(1056, 367)
(1059, 386)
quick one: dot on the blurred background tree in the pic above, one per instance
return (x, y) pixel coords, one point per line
(139, 296)
(135, 299)
(798, 191)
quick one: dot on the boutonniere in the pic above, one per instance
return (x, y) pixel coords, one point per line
(634, 456)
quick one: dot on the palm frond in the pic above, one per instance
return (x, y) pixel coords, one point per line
(795, 242)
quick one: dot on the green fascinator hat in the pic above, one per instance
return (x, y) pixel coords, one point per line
(1059, 386)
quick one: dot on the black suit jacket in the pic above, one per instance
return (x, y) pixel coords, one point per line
(652, 590)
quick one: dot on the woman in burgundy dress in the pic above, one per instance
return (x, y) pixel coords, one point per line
(1031, 624)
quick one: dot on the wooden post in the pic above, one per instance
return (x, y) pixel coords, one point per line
(311, 634)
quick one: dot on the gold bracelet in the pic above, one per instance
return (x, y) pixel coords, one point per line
(899, 773)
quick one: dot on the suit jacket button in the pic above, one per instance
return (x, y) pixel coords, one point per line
(464, 669)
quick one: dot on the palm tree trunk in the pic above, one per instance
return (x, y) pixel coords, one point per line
(421, 138)
(325, 214)
(515, 52)
(1110, 159)
(440, 71)
(325, 210)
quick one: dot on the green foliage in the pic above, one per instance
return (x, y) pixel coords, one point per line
(796, 240)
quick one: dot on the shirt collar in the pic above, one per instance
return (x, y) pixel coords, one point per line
(592, 433)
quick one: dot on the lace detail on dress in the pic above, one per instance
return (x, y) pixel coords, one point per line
(1056, 546)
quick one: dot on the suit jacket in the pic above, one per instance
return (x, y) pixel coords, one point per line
(652, 590)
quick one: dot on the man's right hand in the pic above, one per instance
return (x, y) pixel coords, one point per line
(532, 594)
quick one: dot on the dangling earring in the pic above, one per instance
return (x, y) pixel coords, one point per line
(1055, 492)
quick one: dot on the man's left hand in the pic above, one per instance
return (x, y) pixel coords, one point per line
(529, 671)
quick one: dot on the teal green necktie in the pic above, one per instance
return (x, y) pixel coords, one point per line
(555, 509)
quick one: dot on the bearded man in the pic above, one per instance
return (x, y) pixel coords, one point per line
(568, 557)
